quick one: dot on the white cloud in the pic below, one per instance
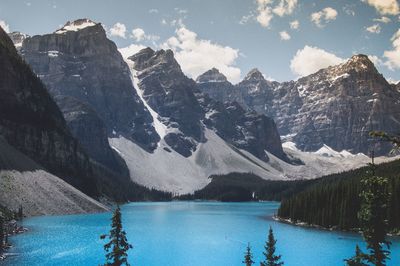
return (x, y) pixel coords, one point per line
(294, 24)
(324, 16)
(311, 59)
(349, 10)
(130, 50)
(285, 7)
(153, 11)
(376, 28)
(393, 56)
(266, 10)
(382, 19)
(284, 36)
(164, 21)
(197, 55)
(246, 19)
(5, 26)
(180, 11)
(393, 81)
(374, 59)
(139, 35)
(119, 30)
(385, 7)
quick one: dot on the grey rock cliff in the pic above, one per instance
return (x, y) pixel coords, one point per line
(79, 61)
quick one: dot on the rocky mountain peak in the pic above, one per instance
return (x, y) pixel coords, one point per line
(17, 38)
(147, 57)
(76, 25)
(212, 75)
(255, 75)
(360, 62)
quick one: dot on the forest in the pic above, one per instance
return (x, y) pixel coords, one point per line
(334, 201)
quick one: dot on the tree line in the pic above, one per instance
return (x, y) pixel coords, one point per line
(334, 201)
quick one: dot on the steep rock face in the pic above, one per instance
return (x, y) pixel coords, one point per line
(215, 84)
(245, 130)
(336, 106)
(79, 61)
(169, 93)
(31, 122)
(85, 125)
(17, 38)
(342, 104)
(179, 103)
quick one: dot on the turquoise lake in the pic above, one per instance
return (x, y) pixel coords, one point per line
(182, 234)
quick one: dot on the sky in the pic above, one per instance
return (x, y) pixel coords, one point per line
(284, 39)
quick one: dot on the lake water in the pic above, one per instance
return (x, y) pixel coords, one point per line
(182, 234)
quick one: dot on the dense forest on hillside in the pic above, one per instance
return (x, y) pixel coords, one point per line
(333, 201)
(246, 187)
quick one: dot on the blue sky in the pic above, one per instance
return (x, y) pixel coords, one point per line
(284, 39)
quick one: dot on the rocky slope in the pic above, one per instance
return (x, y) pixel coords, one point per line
(169, 93)
(24, 183)
(79, 61)
(32, 124)
(87, 126)
(337, 106)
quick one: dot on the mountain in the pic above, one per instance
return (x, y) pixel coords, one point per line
(40, 154)
(79, 61)
(336, 106)
(24, 183)
(89, 128)
(164, 130)
(169, 93)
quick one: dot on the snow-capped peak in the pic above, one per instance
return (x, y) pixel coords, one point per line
(76, 25)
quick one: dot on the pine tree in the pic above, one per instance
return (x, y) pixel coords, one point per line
(358, 259)
(248, 257)
(270, 258)
(372, 217)
(116, 249)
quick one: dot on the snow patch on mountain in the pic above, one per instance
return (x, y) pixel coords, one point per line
(75, 25)
(160, 128)
(168, 170)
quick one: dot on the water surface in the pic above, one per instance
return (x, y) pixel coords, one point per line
(182, 234)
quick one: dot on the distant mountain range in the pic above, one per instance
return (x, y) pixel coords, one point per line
(109, 125)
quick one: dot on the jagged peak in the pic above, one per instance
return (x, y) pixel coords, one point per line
(148, 57)
(254, 74)
(212, 75)
(17, 38)
(360, 62)
(76, 25)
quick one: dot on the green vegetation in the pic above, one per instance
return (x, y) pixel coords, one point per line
(118, 246)
(248, 257)
(333, 201)
(271, 259)
(241, 186)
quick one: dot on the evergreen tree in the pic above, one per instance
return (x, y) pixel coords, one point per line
(270, 258)
(372, 217)
(20, 212)
(116, 249)
(358, 259)
(248, 257)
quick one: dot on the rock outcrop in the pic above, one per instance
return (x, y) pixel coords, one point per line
(79, 61)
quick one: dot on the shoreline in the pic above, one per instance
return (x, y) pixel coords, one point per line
(12, 229)
(315, 226)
